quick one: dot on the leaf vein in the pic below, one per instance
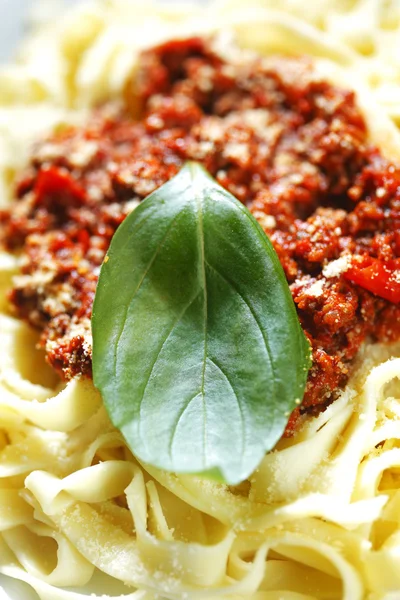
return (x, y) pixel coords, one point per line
(160, 349)
(145, 273)
(266, 343)
(177, 421)
(237, 400)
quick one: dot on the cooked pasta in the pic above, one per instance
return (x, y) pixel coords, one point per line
(79, 514)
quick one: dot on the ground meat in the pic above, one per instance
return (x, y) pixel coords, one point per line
(289, 145)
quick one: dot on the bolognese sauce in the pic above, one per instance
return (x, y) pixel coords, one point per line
(289, 145)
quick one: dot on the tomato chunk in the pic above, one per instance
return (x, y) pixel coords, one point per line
(56, 186)
(379, 277)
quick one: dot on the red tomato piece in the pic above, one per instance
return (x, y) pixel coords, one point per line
(376, 276)
(57, 186)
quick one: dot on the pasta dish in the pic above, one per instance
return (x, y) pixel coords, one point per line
(120, 107)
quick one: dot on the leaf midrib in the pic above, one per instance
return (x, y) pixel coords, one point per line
(199, 204)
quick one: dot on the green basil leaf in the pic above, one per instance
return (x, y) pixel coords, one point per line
(197, 348)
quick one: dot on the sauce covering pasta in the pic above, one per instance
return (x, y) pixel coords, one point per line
(288, 144)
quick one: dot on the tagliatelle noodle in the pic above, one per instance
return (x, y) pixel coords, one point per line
(79, 515)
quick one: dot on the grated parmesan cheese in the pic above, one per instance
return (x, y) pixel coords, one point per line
(316, 289)
(82, 156)
(395, 276)
(336, 267)
(266, 221)
(237, 151)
